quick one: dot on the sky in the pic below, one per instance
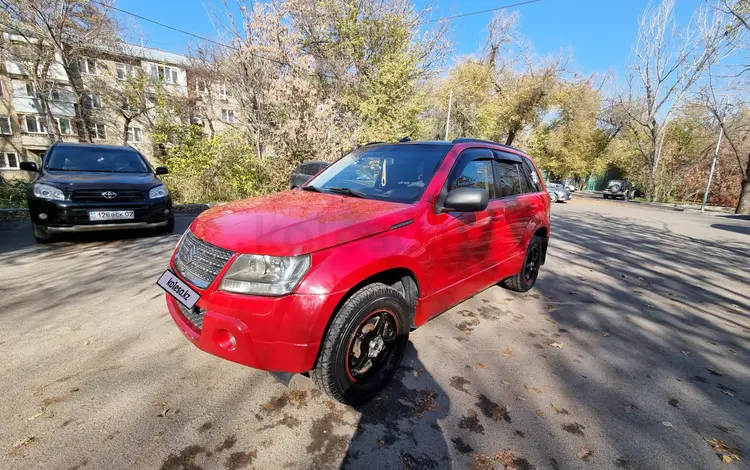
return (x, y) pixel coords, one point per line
(598, 33)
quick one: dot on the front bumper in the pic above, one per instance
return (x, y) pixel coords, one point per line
(70, 216)
(279, 334)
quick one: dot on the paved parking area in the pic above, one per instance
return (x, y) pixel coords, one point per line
(632, 352)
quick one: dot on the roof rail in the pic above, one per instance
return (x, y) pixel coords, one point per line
(405, 139)
(373, 143)
(462, 140)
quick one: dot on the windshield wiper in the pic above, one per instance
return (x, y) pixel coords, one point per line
(348, 192)
(311, 188)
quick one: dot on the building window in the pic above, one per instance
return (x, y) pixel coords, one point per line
(98, 131)
(9, 161)
(30, 90)
(164, 73)
(123, 71)
(54, 92)
(92, 100)
(35, 124)
(5, 128)
(200, 86)
(65, 125)
(87, 66)
(227, 115)
(134, 134)
(224, 92)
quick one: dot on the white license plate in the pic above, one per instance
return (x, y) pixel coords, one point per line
(174, 286)
(111, 215)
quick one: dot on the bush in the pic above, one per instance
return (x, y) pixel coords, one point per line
(219, 169)
(13, 193)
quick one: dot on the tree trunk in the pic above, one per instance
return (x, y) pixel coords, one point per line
(83, 123)
(511, 136)
(125, 130)
(53, 131)
(743, 206)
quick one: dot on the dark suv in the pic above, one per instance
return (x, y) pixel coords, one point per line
(330, 278)
(619, 189)
(304, 172)
(84, 187)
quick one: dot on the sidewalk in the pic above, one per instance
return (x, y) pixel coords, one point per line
(673, 206)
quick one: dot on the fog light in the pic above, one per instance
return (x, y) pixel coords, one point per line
(225, 340)
(42, 216)
(166, 211)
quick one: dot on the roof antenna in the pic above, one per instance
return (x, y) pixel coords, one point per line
(405, 139)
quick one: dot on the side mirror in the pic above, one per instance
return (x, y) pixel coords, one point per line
(29, 166)
(161, 170)
(466, 200)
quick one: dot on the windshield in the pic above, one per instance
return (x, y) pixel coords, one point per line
(398, 173)
(104, 159)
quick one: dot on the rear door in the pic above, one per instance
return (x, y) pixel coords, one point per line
(519, 197)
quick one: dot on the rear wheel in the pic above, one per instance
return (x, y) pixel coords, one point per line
(364, 345)
(41, 235)
(525, 279)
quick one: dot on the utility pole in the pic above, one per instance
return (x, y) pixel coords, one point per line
(448, 121)
(716, 157)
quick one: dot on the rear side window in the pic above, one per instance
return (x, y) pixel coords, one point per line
(473, 170)
(509, 179)
(531, 176)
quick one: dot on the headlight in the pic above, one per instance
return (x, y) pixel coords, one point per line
(48, 192)
(158, 192)
(265, 275)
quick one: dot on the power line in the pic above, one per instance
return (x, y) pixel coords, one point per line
(448, 18)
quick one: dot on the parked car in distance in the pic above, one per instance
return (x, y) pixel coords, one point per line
(558, 193)
(304, 172)
(570, 186)
(330, 279)
(86, 187)
(619, 189)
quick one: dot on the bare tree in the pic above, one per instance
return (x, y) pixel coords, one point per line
(63, 31)
(666, 63)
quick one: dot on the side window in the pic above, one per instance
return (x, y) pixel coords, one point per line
(473, 170)
(509, 179)
(531, 175)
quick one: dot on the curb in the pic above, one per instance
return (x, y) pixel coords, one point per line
(22, 213)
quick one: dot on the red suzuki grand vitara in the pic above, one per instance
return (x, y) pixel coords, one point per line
(331, 277)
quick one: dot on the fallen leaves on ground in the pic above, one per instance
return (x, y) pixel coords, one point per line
(480, 365)
(606, 334)
(539, 413)
(667, 424)
(630, 408)
(555, 344)
(726, 454)
(18, 445)
(715, 372)
(164, 408)
(550, 307)
(585, 454)
(508, 352)
(419, 372)
(685, 353)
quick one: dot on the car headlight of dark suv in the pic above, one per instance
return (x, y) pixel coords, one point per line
(158, 192)
(45, 191)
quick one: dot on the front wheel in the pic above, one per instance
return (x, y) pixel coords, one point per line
(553, 197)
(169, 228)
(364, 345)
(525, 279)
(41, 235)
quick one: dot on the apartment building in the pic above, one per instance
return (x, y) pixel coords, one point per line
(108, 104)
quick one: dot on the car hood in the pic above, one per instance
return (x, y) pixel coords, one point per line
(296, 222)
(69, 180)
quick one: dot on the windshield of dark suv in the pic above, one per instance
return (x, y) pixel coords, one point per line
(398, 173)
(103, 159)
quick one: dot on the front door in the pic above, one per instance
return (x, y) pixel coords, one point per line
(468, 245)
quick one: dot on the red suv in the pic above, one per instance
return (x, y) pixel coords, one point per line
(331, 277)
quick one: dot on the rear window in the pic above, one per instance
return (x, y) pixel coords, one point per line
(99, 159)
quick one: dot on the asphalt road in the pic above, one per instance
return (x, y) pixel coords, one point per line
(632, 352)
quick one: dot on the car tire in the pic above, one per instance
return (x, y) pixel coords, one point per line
(41, 235)
(553, 197)
(375, 311)
(525, 280)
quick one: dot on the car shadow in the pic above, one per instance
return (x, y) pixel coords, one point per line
(399, 427)
(743, 229)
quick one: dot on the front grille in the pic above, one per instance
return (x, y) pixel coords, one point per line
(194, 315)
(97, 195)
(200, 262)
